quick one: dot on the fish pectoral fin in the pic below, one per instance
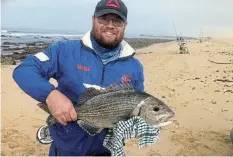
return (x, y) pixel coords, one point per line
(136, 111)
(89, 128)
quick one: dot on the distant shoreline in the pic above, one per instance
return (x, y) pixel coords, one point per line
(15, 50)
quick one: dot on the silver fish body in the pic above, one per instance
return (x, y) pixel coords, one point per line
(107, 109)
(100, 109)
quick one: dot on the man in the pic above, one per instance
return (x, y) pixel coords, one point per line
(100, 58)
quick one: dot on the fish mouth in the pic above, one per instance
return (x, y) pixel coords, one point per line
(166, 118)
(165, 121)
(160, 122)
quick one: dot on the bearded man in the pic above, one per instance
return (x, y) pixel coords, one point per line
(100, 58)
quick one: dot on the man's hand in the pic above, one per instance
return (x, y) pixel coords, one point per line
(61, 107)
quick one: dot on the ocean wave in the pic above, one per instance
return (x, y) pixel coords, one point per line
(14, 33)
(4, 31)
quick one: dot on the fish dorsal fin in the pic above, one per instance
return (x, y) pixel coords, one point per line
(119, 86)
(91, 91)
(88, 94)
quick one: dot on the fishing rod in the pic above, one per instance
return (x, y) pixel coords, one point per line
(176, 32)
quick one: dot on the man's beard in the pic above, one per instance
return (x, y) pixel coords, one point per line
(99, 39)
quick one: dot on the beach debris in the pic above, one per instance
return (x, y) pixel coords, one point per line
(223, 80)
(173, 90)
(213, 102)
(228, 91)
(220, 62)
(224, 110)
(103, 108)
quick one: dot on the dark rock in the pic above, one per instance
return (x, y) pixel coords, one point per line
(5, 46)
(14, 49)
(9, 43)
(16, 53)
(137, 43)
(7, 61)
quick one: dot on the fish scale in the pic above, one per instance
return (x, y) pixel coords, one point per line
(114, 108)
(106, 102)
(108, 110)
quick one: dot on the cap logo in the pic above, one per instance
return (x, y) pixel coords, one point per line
(113, 3)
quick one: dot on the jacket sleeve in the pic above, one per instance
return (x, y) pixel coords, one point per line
(33, 74)
(139, 82)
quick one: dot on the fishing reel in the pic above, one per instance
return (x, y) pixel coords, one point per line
(43, 135)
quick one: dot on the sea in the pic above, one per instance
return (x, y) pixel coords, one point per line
(29, 36)
(18, 38)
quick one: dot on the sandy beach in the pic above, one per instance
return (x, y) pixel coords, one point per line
(195, 85)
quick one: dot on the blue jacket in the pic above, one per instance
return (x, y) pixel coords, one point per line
(73, 64)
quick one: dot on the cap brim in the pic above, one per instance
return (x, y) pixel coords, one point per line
(110, 11)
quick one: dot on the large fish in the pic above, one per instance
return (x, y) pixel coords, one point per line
(102, 108)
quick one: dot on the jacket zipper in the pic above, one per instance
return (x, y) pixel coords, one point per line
(103, 70)
(102, 77)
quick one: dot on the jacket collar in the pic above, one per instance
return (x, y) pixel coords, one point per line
(126, 50)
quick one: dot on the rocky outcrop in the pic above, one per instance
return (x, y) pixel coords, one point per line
(15, 52)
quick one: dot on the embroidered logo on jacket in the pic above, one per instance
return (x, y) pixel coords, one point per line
(84, 68)
(126, 79)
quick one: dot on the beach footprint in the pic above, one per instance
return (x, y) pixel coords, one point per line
(203, 143)
(17, 143)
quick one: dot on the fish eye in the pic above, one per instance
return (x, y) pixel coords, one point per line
(156, 109)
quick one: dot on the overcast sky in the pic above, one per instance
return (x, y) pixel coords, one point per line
(153, 17)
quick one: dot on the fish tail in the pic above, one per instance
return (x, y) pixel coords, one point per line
(51, 120)
(44, 107)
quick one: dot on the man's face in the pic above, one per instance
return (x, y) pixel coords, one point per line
(108, 30)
